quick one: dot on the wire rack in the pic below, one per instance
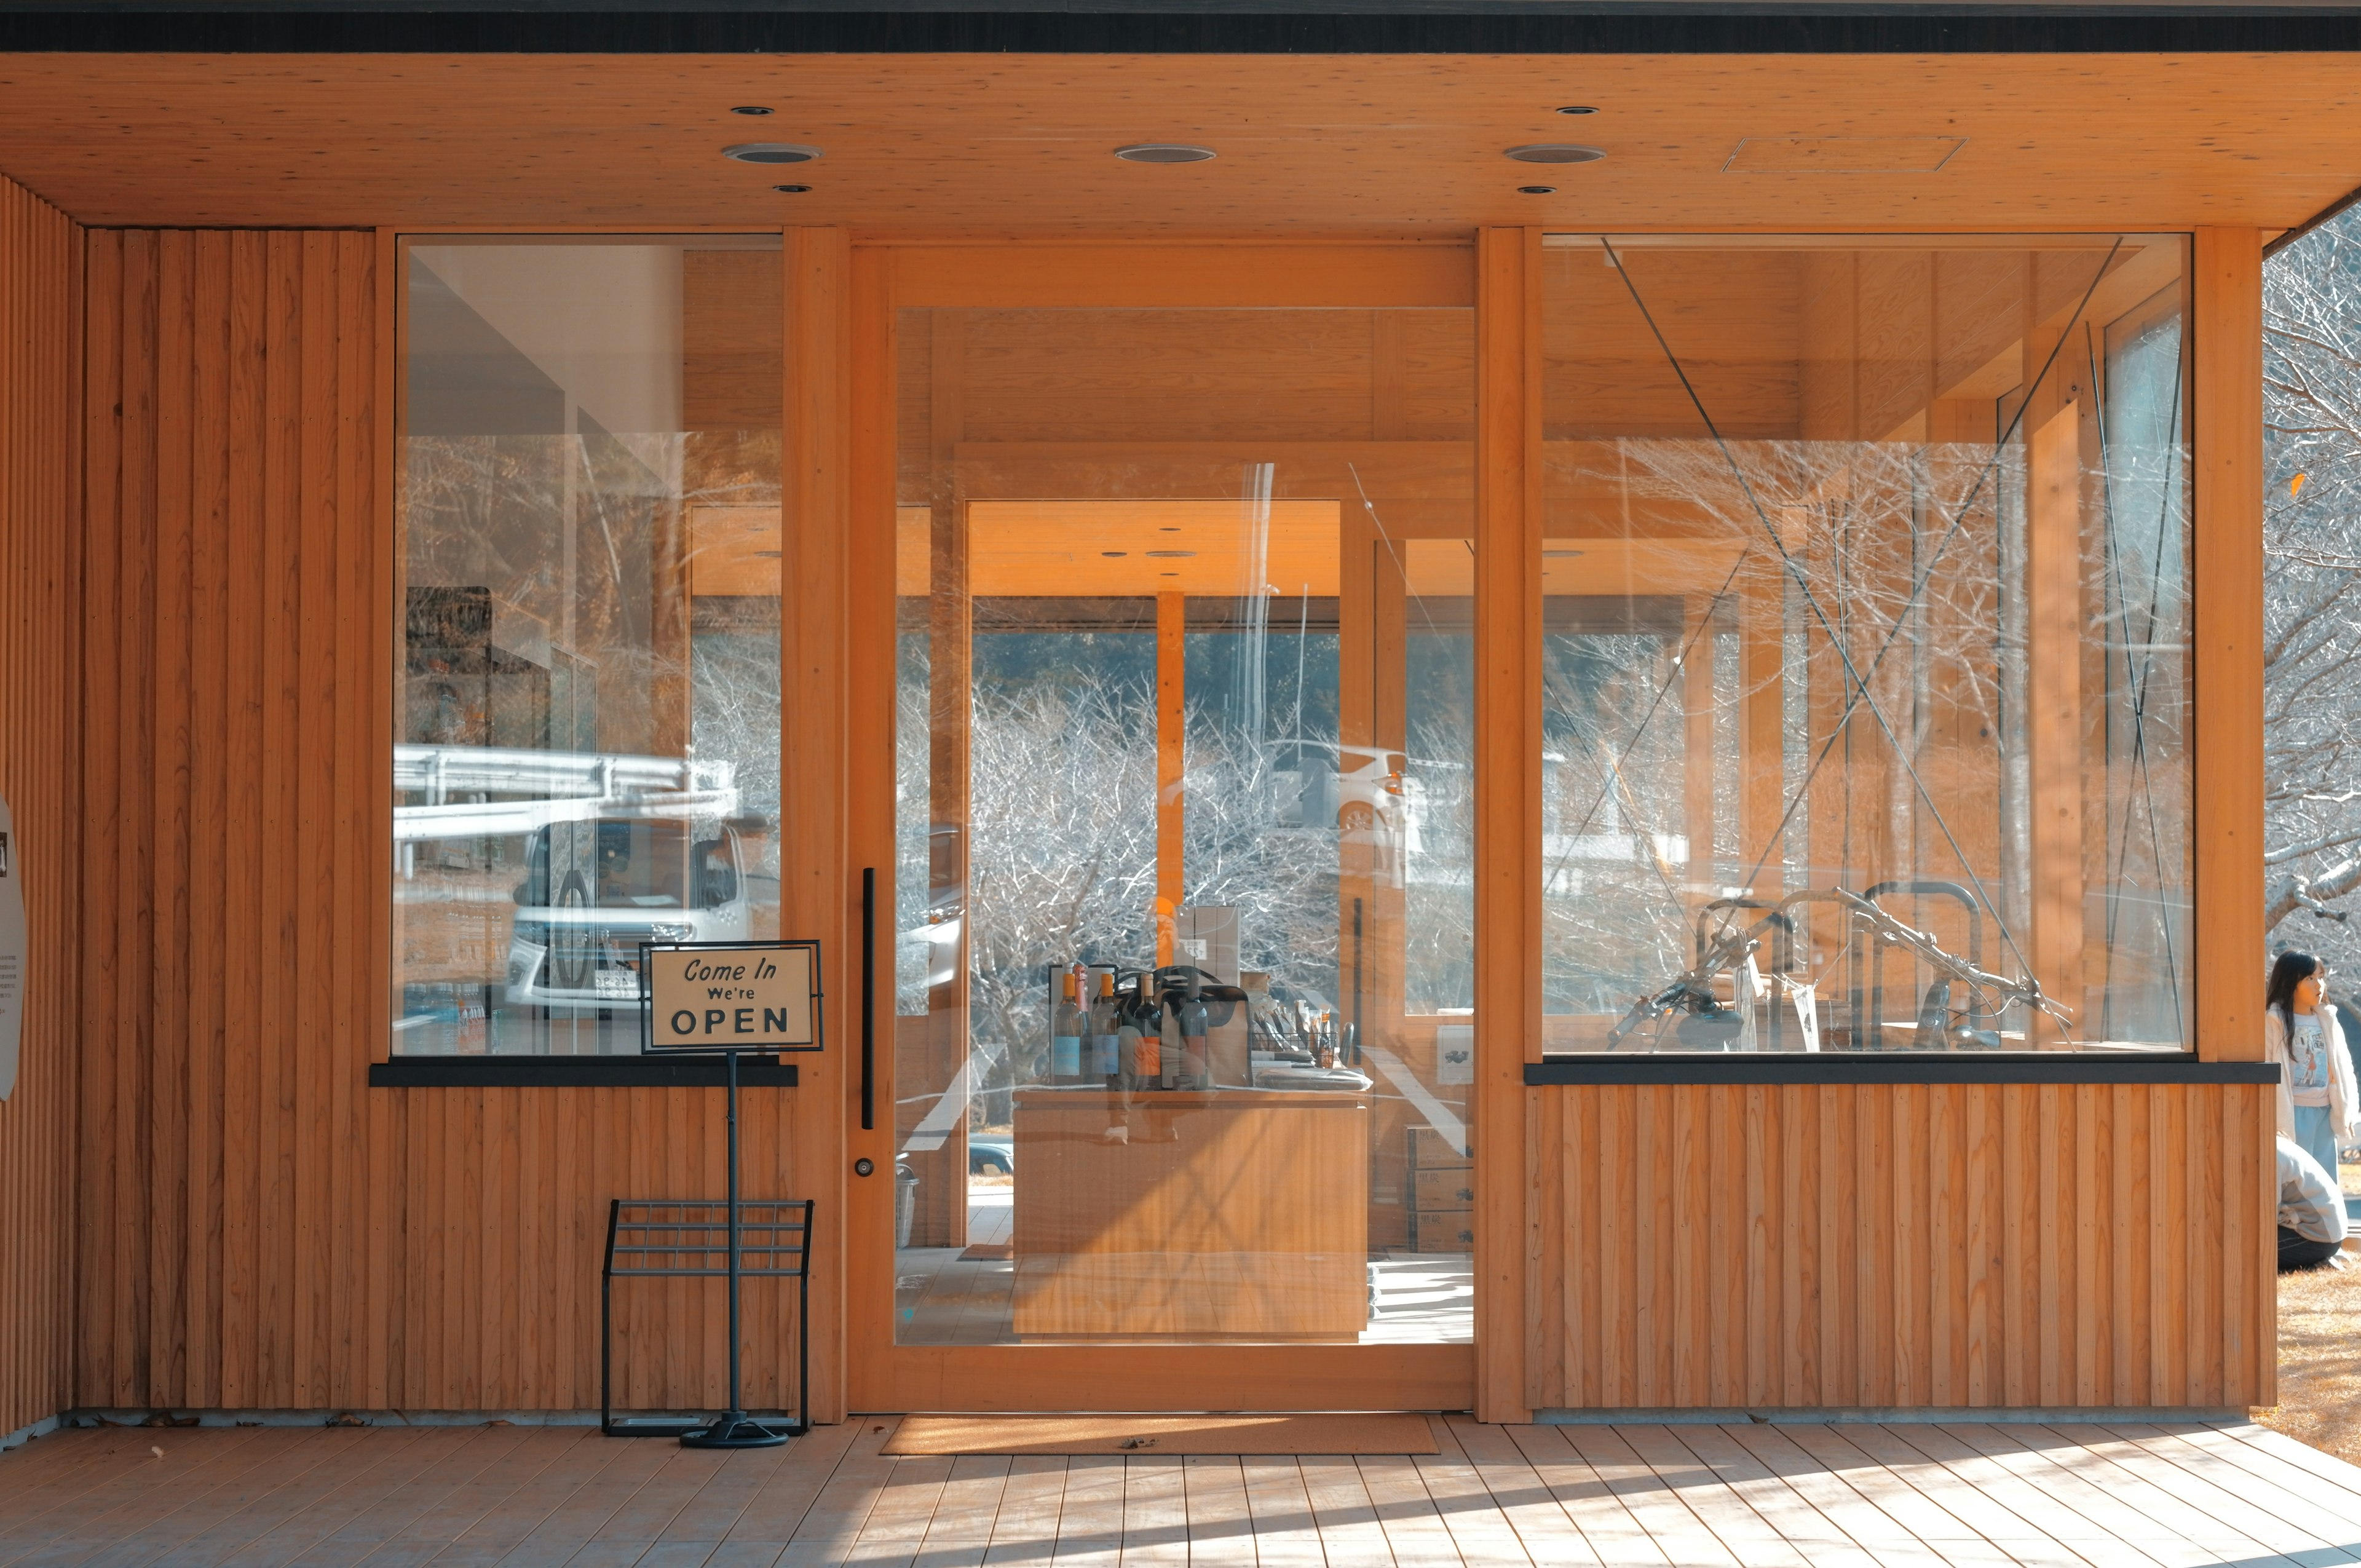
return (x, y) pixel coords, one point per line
(688, 1238)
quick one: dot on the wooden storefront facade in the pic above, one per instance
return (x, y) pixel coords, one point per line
(209, 1206)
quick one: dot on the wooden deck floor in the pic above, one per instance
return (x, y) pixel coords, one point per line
(1749, 1496)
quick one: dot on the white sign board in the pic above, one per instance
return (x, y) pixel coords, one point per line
(11, 952)
(732, 996)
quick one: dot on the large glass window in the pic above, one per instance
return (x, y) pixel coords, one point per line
(1865, 641)
(587, 720)
(1185, 965)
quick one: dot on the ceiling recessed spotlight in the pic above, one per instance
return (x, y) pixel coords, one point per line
(1577, 109)
(1555, 152)
(1172, 554)
(770, 152)
(758, 109)
(792, 190)
(1536, 190)
(1163, 152)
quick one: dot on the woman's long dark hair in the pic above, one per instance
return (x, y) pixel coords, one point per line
(2290, 970)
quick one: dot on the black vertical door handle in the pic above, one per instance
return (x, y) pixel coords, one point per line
(867, 998)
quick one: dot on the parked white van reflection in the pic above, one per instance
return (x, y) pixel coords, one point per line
(595, 890)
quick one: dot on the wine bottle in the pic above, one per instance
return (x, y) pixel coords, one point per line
(1105, 1061)
(1194, 1061)
(1172, 1065)
(1066, 1026)
(1147, 1030)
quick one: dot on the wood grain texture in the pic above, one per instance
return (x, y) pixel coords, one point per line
(1509, 523)
(2226, 571)
(260, 1228)
(1898, 1246)
(1121, 1238)
(39, 722)
(1310, 145)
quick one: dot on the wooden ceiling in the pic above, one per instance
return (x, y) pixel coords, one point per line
(1335, 145)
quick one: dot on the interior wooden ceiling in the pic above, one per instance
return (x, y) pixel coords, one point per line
(982, 144)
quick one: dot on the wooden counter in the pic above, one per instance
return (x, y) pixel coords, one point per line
(1232, 1214)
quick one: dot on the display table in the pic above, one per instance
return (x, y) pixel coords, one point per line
(1231, 1213)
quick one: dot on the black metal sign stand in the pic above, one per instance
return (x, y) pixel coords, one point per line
(736, 1429)
(739, 983)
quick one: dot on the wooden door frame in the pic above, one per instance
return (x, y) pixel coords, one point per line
(881, 1374)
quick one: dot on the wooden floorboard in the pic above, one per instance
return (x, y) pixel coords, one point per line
(1638, 1496)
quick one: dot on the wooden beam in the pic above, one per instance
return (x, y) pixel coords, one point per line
(1507, 794)
(2226, 571)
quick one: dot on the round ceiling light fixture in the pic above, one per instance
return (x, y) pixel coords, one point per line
(770, 152)
(1555, 152)
(1577, 109)
(1536, 190)
(1163, 152)
(759, 109)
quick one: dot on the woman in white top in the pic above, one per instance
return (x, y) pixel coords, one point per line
(2316, 1090)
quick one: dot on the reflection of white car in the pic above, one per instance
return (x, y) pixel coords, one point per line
(594, 891)
(1360, 789)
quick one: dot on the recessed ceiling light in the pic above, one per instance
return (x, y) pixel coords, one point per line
(758, 109)
(1555, 152)
(770, 152)
(1577, 109)
(1536, 190)
(1172, 554)
(1163, 152)
(792, 190)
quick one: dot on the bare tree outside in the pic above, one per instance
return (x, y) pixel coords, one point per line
(2312, 593)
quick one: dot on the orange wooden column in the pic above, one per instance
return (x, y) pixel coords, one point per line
(819, 888)
(1507, 794)
(2227, 573)
(1172, 760)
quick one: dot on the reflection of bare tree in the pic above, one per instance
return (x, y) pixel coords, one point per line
(2311, 590)
(1061, 828)
(1888, 575)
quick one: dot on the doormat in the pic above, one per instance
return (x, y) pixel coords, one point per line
(1390, 1432)
(988, 1251)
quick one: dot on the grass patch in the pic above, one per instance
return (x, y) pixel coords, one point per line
(2320, 1360)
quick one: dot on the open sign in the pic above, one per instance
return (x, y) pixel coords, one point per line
(731, 997)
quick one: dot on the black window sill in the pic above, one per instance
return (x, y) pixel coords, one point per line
(578, 1072)
(1892, 1066)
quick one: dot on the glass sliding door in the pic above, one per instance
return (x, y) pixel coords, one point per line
(1183, 973)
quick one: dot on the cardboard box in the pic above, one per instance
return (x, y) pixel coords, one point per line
(1430, 1150)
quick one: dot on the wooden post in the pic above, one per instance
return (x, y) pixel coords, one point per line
(1507, 794)
(818, 892)
(1171, 761)
(941, 1217)
(2053, 718)
(1697, 741)
(2227, 573)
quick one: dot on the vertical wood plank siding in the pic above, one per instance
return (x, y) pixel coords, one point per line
(260, 1229)
(39, 578)
(257, 1229)
(1894, 1246)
